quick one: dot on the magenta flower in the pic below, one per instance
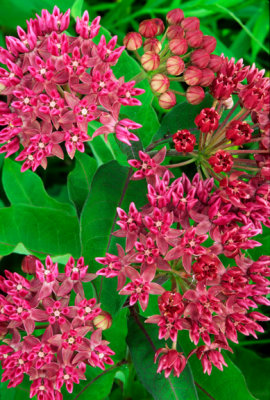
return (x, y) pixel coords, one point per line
(170, 361)
(141, 286)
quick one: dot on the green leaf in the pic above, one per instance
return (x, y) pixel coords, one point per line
(142, 339)
(79, 180)
(255, 369)
(40, 229)
(117, 333)
(261, 29)
(99, 211)
(27, 188)
(76, 9)
(99, 388)
(110, 189)
(182, 117)
(221, 385)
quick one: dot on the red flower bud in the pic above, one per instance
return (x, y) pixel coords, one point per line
(160, 83)
(175, 65)
(207, 120)
(174, 17)
(195, 94)
(103, 320)
(178, 46)
(191, 24)
(192, 76)
(153, 45)
(209, 44)
(175, 32)
(167, 100)
(200, 58)
(194, 38)
(215, 62)
(132, 41)
(184, 141)
(148, 28)
(221, 161)
(207, 77)
(239, 132)
(160, 25)
(150, 61)
(29, 264)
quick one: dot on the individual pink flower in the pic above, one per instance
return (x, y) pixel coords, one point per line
(141, 286)
(170, 361)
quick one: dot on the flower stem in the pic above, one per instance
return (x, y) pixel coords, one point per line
(181, 164)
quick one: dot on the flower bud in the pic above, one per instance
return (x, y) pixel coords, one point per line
(160, 83)
(207, 77)
(215, 62)
(153, 45)
(148, 28)
(167, 100)
(160, 25)
(178, 46)
(151, 27)
(29, 264)
(175, 32)
(132, 41)
(191, 24)
(150, 61)
(192, 76)
(195, 94)
(200, 58)
(194, 38)
(103, 320)
(175, 65)
(174, 17)
(209, 44)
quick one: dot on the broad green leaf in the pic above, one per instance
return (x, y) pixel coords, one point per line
(27, 188)
(261, 29)
(182, 117)
(142, 353)
(79, 180)
(255, 369)
(41, 230)
(110, 189)
(99, 210)
(99, 388)
(221, 385)
(20, 392)
(117, 333)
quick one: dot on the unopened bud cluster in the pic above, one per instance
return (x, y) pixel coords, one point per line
(182, 51)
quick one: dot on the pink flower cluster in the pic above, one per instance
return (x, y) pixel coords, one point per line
(56, 84)
(180, 234)
(186, 54)
(247, 123)
(53, 338)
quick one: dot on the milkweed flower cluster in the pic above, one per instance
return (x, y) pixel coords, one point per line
(53, 338)
(229, 132)
(180, 234)
(182, 54)
(56, 84)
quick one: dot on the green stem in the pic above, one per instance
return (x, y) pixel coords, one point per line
(181, 164)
